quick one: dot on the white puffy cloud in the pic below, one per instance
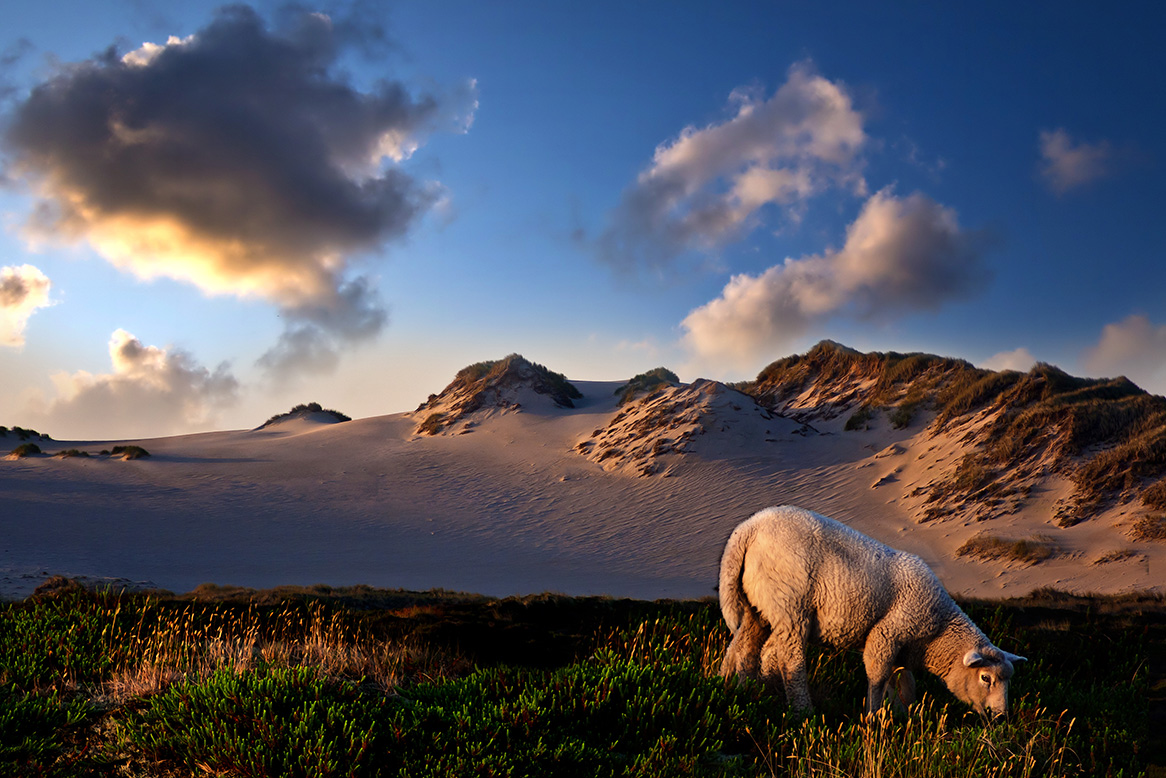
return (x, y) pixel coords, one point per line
(151, 391)
(1019, 359)
(901, 255)
(23, 289)
(1066, 164)
(1134, 347)
(707, 186)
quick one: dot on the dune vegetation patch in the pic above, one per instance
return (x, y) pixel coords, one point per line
(304, 410)
(25, 450)
(991, 547)
(127, 452)
(645, 383)
(371, 683)
(21, 433)
(1149, 528)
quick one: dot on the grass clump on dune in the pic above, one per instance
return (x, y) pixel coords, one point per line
(305, 409)
(25, 450)
(361, 683)
(129, 452)
(646, 382)
(992, 547)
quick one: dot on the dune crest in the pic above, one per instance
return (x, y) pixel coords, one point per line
(626, 493)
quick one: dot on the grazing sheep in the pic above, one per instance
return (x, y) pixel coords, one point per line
(789, 576)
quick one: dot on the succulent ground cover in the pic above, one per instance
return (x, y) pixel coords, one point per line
(356, 682)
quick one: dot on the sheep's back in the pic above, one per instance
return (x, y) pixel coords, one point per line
(802, 566)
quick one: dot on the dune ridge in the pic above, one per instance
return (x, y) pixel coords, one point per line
(520, 492)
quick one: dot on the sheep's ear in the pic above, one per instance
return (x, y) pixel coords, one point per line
(1013, 658)
(974, 659)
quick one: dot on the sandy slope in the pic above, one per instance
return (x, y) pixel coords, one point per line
(504, 505)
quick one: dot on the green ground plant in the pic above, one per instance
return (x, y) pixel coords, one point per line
(360, 682)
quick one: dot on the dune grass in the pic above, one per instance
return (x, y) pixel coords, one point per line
(1031, 551)
(335, 683)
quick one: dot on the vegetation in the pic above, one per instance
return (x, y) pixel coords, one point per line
(359, 682)
(860, 419)
(25, 450)
(1150, 528)
(991, 547)
(432, 424)
(646, 382)
(303, 410)
(129, 452)
(69, 453)
(507, 370)
(22, 434)
(1106, 435)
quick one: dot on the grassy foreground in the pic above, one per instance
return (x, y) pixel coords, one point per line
(361, 682)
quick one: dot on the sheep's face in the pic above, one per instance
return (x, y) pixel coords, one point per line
(982, 679)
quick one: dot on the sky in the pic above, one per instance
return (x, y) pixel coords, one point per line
(211, 213)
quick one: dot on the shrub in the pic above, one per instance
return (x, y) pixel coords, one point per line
(129, 452)
(72, 452)
(302, 410)
(432, 424)
(25, 450)
(859, 420)
(646, 382)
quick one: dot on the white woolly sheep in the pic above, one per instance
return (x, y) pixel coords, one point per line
(790, 576)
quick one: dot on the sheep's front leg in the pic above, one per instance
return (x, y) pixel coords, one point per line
(784, 657)
(743, 657)
(901, 687)
(878, 656)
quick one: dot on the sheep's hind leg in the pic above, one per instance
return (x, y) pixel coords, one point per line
(743, 657)
(784, 657)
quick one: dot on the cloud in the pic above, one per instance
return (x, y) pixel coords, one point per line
(313, 336)
(708, 186)
(1067, 165)
(1134, 347)
(239, 159)
(23, 289)
(151, 391)
(901, 255)
(1020, 359)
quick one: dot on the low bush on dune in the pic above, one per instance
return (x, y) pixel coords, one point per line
(129, 452)
(305, 409)
(646, 382)
(22, 434)
(395, 683)
(25, 450)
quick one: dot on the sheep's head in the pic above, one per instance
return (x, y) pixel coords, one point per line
(981, 680)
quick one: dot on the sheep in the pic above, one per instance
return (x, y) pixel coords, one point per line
(789, 576)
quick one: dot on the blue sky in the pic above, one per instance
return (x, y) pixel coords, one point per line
(375, 195)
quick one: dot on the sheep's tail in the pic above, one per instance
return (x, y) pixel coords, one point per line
(734, 601)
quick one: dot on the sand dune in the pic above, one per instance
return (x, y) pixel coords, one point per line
(506, 502)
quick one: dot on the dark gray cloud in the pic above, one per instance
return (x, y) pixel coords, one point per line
(314, 334)
(241, 159)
